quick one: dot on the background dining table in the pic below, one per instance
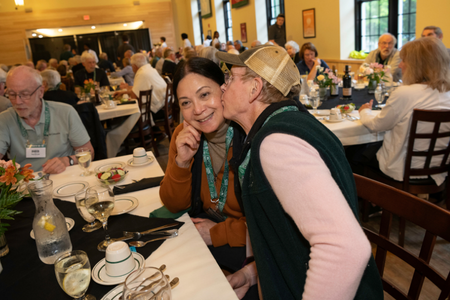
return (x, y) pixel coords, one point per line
(186, 256)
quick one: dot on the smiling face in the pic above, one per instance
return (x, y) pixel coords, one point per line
(200, 102)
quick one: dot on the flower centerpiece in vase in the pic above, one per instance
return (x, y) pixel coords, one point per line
(89, 88)
(333, 82)
(322, 81)
(11, 178)
(374, 73)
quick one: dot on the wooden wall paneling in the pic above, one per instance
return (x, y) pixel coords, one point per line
(157, 17)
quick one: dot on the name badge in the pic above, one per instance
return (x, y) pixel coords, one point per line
(35, 151)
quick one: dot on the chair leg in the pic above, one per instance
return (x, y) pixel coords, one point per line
(401, 232)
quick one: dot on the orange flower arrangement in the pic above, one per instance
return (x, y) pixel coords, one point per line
(89, 85)
(11, 175)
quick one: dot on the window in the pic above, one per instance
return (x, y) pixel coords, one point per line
(228, 21)
(375, 17)
(274, 8)
(200, 19)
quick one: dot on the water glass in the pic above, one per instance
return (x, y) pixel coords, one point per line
(100, 204)
(80, 201)
(145, 284)
(84, 158)
(379, 95)
(315, 100)
(73, 272)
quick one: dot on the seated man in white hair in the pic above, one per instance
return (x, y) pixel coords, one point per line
(51, 80)
(4, 102)
(52, 63)
(42, 133)
(146, 78)
(90, 72)
(386, 54)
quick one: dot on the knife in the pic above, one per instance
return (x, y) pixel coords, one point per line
(137, 235)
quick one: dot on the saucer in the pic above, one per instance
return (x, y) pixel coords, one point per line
(149, 161)
(333, 121)
(99, 271)
(69, 223)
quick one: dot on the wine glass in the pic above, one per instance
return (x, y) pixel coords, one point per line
(73, 272)
(147, 283)
(80, 201)
(84, 158)
(315, 99)
(379, 95)
(100, 204)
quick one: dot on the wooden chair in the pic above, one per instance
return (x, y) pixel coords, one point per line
(144, 127)
(421, 186)
(169, 107)
(435, 220)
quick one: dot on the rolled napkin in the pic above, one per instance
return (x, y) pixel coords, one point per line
(137, 186)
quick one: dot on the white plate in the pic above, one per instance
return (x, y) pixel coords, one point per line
(106, 167)
(322, 112)
(124, 204)
(114, 294)
(69, 223)
(70, 189)
(333, 121)
(99, 272)
(149, 161)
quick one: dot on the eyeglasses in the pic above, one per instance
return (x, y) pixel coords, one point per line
(229, 78)
(25, 96)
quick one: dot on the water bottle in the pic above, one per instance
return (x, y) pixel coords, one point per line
(49, 224)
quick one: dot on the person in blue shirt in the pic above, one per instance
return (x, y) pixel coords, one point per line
(310, 61)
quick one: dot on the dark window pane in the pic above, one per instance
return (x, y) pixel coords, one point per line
(413, 5)
(383, 25)
(405, 23)
(374, 26)
(405, 6)
(384, 8)
(412, 22)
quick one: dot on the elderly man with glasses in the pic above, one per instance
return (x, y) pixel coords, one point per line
(43, 133)
(386, 54)
(298, 190)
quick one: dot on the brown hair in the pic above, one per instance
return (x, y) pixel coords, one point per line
(427, 62)
(269, 93)
(126, 62)
(308, 46)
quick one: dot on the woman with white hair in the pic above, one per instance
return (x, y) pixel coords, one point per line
(293, 49)
(51, 80)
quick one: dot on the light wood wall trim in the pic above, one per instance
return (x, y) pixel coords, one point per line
(157, 16)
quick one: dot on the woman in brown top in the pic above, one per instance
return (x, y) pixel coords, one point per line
(200, 173)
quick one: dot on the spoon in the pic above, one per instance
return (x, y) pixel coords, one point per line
(142, 244)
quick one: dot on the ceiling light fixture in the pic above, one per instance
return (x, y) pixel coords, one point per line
(41, 36)
(125, 24)
(60, 30)
(33, 34)
(93, 27)
(19, 2)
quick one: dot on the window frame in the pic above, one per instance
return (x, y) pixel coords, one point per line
(200, 20)
(270, 17)
(226, 18)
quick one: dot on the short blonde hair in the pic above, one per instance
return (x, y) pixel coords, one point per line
(269, 93)
(428, 62)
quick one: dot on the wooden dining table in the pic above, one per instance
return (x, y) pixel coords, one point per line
(186, 256)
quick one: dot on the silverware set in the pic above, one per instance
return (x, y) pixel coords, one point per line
(166, 234)
(352, 118)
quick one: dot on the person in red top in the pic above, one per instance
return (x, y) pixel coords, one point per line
(200, 174)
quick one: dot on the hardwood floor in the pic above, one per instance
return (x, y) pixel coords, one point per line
(396, 270)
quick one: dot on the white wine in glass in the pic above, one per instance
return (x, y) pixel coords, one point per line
(100, 204)
(84, 159)
(73, 272)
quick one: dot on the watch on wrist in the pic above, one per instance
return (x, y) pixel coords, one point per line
(70, 160)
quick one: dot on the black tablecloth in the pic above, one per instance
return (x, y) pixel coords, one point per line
(24, 276)
(359, 97)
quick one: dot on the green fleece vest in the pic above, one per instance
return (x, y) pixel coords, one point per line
(281, 252)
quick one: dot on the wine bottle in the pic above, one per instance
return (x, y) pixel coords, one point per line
(347, 84)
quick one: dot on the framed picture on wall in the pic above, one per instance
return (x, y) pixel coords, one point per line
(244, 32)
(206, 8)
(238, 3)
(309, 23)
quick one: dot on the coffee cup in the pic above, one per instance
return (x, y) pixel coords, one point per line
(139, 156)
(335, 114)
(119, 260)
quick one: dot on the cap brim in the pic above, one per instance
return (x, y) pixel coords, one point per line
(229, 58)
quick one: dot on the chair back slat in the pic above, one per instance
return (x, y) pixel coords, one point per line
(145, 101)
(437, 118)
(435, 220)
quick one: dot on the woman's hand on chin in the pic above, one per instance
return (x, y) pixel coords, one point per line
(188, 141)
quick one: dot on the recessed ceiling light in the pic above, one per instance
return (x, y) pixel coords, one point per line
(60, 30)
(125, 24)
(40, 36)
(33, 34)
(93, 27)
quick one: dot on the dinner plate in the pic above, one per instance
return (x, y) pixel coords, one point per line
(333, 121)
(322, 112)
(114, 294)
(149, 161)
(106, 167)
(69, 223)
(70, 189)
(124, 204)
(99, 271)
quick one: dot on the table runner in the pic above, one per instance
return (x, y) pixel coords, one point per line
(24, 276)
